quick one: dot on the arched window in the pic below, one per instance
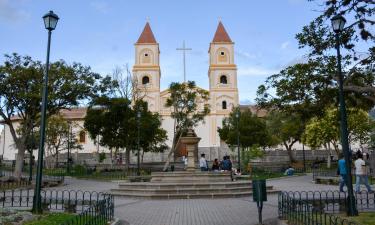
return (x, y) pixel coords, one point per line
(224, 105)
(82, 136)
(223, 79)
(145, 80)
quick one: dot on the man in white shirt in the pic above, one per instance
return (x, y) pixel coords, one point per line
(203, 163)
(361, 174)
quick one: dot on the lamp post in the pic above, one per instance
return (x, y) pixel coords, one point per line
(238, 138)
(338, 23)
(69, 136)
(138, 146)
(50, 22)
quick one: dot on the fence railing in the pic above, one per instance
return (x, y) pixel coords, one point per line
(4, 185)
(319, 207)
(89, 207)
(24, 179)
(92, 173)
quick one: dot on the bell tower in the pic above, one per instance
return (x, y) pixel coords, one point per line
(222, 73)
(146, 70)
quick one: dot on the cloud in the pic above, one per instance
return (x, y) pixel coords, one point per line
(100, 6)
(246, 102)
(256, 71)
(297, 60)
(245, 55)
(285, 45)
(10, 13)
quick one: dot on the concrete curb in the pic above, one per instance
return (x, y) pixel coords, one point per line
(116, 222)
(281, 178)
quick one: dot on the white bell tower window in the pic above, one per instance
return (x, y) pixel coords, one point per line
(223, 79)
(224, 104)
(145, 80)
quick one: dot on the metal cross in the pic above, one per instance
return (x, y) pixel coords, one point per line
(184, 49)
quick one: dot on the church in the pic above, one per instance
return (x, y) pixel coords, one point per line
(223, 91)
(223, 96)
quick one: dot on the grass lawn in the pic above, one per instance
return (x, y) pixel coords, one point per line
(367, 218)
(51, 219)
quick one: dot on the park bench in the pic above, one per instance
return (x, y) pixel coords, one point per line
(327, 179)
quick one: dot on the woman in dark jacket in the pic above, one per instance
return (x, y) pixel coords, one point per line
(215, 165)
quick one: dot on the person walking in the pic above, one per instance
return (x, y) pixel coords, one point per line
(341, 170)
(203, 163)
(361, 174)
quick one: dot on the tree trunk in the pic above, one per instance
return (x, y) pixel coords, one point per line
(21, 151)
(19, 162)
(292, 159)
(127, 159)
(57, 159)
(143, 153)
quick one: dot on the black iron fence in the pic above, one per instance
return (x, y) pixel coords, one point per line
(94, 173)
(320, 207)
(24, 180)
(89, 207)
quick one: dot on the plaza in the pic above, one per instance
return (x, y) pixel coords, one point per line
(239, 211)
(187, 112)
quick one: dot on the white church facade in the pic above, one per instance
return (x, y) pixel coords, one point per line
(223, 91)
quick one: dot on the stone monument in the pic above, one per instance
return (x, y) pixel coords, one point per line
(191, 142)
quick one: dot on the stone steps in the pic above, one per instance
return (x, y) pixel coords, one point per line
(184, 190)
(188, 196)
(187, 185)
(150, 185)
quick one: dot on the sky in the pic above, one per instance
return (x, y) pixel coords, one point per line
(102, 33)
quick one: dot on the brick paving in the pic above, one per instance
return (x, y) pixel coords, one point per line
(235, 211)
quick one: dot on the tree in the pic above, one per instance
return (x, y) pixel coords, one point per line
(325, 131)
(57, 138)
(152, 136)
(286, 129)
(357, 40)
(251, 129)
(189, 107)
(252, 132)
(114, 120)
(21, 80)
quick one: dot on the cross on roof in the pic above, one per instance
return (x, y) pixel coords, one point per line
(184, 49)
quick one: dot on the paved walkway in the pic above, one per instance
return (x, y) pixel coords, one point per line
(237, 211)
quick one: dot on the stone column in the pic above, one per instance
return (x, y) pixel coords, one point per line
(191, 141)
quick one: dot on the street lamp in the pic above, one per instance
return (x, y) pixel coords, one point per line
(238, 138)
(138, 146)
(69, 141)
(50, 22)
(338, 23)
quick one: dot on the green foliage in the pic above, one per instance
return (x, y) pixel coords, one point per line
(116, 124)
(251, 129)
(152, 136)
(79, 169)
(21, 81)
(102, 157)
(184, 100)
(253, 152)
(325, 131)
(51, 219)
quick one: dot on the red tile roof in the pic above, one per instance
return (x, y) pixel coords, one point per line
(147, 37)
(221, 34)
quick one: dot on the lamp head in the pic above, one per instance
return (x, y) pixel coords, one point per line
(338, 23)
(50, 20)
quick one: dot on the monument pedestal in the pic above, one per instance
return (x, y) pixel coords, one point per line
(191, 142)
(188, 184)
